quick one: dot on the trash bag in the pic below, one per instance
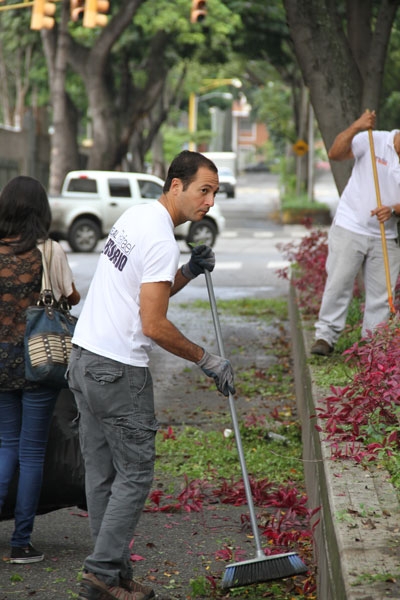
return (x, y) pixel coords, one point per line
(64, 474)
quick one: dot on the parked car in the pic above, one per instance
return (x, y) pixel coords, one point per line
(263, 166)
(227, 182)
(260, 167)
(91, 201)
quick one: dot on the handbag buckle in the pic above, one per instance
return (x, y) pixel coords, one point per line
(46, 298)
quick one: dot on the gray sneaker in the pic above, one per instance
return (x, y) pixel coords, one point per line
(322, 348)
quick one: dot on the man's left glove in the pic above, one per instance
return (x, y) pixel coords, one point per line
(220, 369)
(202, 258)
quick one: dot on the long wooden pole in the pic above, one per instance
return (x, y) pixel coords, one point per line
(382, 226)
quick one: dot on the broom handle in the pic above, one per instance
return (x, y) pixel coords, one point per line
(235, 423)
(382, 227)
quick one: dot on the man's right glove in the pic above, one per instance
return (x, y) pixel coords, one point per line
(220, 369)
(202, 258)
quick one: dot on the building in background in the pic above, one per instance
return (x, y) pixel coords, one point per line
(234, 130)
(248, 136)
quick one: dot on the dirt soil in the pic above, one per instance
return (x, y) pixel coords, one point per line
(175, 548)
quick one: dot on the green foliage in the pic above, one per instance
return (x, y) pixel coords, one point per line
(272, 104)
(389, 111)
(200, 586)
(268, 310)
(209, 455)
(290, 202)
(23, 62)
(174, 19)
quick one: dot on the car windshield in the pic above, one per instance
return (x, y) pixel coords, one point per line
(225, 171)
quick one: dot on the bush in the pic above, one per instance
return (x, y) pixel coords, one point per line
(361, 418)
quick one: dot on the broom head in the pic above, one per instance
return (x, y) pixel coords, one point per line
(259, 570)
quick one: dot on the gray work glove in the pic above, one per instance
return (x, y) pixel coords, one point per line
(220, 369)
(202, 258)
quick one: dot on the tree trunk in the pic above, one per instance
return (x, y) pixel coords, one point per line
(64, 155)
(343, 72)
(94, 69)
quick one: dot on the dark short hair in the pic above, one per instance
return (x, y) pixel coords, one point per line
(185, 166)
(24, 212)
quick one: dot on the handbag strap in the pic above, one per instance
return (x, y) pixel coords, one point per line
(46, 248)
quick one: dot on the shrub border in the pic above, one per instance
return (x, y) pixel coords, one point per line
(356, 539)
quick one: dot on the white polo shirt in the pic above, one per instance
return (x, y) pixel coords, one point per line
(359, 196)
(141, 248)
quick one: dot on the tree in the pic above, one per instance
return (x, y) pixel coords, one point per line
(22, 68)
(268, 57)
(64, 154)
(124, 68)
(341, 47)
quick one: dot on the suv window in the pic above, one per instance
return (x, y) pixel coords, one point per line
(119, 188)
(83, 184)
(149, 189)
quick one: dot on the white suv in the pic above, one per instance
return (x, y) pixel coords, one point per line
(91, 202)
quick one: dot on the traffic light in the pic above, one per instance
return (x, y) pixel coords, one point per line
(77, 8)
(43, 14)
(199, 11)
(93, 15)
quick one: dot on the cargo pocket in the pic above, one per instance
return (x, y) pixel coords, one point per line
(104, 373)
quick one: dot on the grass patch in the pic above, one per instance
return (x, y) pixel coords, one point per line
(272, 446)
(301, 202)
(210, 455)
(268, 310)
(334, 370)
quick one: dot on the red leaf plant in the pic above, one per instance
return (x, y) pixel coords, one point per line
(190, 499)
(169, 434)
(359, 418)
(307, 272)
(230, 554)
(234, 492)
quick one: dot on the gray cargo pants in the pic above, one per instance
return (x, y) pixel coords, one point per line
(348, 253)
(117, 430)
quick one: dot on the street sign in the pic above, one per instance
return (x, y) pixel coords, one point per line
(300, 147)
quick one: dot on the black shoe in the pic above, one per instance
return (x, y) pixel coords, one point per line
(21, 556)
(322, 348)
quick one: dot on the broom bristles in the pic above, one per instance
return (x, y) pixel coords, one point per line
(259, 570)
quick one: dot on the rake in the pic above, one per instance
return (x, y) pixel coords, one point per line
(261, 568)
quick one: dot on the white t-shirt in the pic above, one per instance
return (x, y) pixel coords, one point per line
(141, 248)
(359, 196)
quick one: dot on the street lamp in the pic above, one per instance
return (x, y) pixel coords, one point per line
(208, 84)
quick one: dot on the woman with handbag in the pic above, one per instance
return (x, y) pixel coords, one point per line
(26, 408)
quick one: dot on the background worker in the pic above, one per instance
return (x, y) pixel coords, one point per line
(355, 240)
(124, 315)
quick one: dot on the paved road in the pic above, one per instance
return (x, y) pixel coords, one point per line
(247, 253)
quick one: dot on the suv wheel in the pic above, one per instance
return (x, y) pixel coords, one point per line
(202, 232)
(84, 235)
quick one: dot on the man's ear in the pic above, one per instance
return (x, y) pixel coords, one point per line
(176, 185)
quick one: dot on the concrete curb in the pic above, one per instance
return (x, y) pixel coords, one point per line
(357, 539)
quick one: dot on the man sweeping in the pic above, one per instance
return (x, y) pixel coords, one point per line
(355, 239)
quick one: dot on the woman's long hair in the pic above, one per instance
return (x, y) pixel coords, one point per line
(25, 214)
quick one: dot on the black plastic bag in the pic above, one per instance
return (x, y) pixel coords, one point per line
(64, 474)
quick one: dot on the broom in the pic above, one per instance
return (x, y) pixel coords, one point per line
(261, 568)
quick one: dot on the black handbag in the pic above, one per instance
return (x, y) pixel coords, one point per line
(49, 330)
